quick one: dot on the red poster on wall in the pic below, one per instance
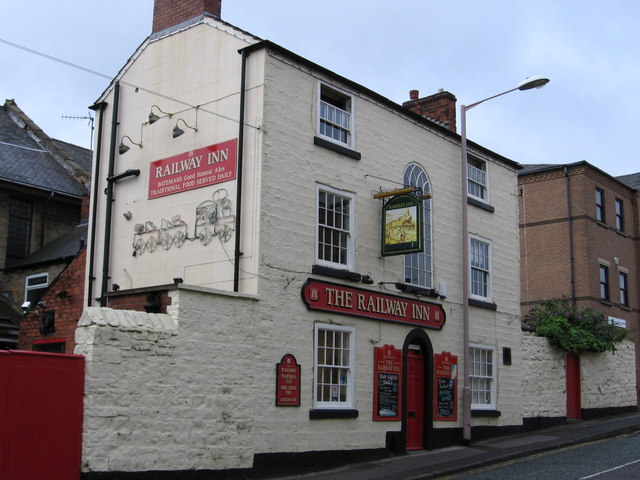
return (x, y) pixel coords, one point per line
(387, 377)
(446, 387)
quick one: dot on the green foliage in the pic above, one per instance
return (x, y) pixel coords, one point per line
(573, 330)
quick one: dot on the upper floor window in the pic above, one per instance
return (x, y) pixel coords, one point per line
(333, 366)
(418, 267)
(600, 205)
(483, 377)
(335, 228)
(335, 116)
(623, 279)
(619, 215)
(477, 179)
(604, 282)
(480, 259)
(34, 286)
(18, 230)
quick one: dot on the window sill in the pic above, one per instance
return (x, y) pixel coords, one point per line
(329, 413)
(602, 224)
(626, 307)
(479, 303)
(486, 413)
(606, 302)
(622, 233)
(321, 142)
(480, 204)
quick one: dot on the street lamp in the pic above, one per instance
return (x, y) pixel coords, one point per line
(527, 84)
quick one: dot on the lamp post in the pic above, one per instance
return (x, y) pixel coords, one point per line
(527, 84)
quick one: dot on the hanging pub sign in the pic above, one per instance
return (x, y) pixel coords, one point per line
(387, 372)
(446, 387)
(402, 225)
(288, 382)
(193, 169)
(359, 302)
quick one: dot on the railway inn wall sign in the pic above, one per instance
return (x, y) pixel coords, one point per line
(402, 225)
(358, 302)
(193, 169)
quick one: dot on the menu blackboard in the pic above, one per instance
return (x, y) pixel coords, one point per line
(387, 399)
(446, 387)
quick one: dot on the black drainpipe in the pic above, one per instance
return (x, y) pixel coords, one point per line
(238, 253)
(109, 193)
(96, 186)
(571, 257)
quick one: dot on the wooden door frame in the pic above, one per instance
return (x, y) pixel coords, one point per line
(420, 338)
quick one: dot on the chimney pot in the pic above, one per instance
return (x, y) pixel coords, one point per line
(414, 94)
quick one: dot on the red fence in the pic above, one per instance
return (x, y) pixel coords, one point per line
(40, 415)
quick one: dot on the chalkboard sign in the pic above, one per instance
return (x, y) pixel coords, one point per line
(446, 386)
(386, 389)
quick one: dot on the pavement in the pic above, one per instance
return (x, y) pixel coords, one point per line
(452, 460)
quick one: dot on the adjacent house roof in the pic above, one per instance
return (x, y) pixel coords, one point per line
(30, 158)
(633, 180)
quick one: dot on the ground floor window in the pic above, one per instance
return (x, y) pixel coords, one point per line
(483, 377)
(334, 362)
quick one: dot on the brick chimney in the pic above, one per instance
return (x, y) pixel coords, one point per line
(439, 107)
(168, 13)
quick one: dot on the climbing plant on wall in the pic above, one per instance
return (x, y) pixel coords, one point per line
(573, 330)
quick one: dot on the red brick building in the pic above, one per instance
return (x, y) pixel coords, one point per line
(579, 241)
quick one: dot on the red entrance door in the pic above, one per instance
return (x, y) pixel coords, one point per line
(572, 367)
(415, 400)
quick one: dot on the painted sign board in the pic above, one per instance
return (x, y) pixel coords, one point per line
(359, 302)
(387, 377)
(193, 169)
(402, 226)
(288, 382)
(446, 387)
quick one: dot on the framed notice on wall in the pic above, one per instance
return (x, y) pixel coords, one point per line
(446, 387)
(288, 382)
(387, 377)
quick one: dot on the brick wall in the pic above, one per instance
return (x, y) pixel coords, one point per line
(65, 297)
(148, 301)
(439, 107)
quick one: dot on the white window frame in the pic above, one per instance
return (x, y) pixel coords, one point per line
(486, 270)
(479, 377)
(472, 179)
(335, 387)
(339, 125)
(39, 286)
(420, 264)
(349, 229)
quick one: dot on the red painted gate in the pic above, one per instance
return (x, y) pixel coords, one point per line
(572, 367)
(40, 415)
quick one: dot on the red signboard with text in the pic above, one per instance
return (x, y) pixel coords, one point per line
(288, 382)
(359, 302)
(193, 169)
(387, 386)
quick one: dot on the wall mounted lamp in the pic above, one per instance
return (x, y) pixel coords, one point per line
(153, 118)
(123, 148)
(177, 131)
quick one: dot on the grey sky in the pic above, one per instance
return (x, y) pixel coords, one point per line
(472, 48)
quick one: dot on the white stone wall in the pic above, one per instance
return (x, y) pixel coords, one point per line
(607, 379)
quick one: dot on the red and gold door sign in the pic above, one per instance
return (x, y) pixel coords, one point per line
(387, 378)
(446, 387)
(288, 382)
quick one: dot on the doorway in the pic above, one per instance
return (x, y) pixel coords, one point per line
(417, 417)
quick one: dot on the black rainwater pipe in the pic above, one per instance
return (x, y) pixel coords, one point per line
(238, 253)
(571, 253)
(96, 185)
(109, 193)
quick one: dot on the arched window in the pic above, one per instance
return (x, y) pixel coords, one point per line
(418, 267)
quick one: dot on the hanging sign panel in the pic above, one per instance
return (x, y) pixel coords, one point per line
(446, 387)
(402, 226)
(193, 169)
(387, 375)
(358, 302)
